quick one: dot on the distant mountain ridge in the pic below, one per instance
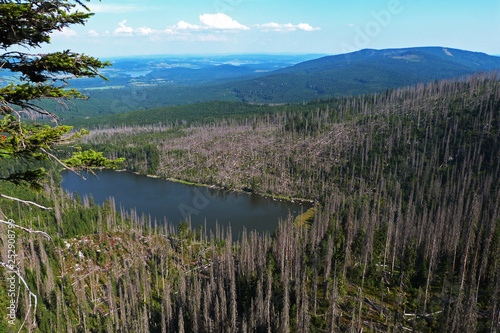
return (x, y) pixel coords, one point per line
(357, 73)
(364, 71)
(465, 60)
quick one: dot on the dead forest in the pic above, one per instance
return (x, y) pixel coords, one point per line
(405, 234)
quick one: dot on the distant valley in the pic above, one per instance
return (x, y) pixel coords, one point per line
(187, 70)
(140, 84)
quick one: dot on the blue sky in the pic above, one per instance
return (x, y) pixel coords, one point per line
(145, 27)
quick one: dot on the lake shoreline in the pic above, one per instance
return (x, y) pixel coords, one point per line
(186, 182)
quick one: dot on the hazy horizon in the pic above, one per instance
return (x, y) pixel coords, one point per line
(230, 54)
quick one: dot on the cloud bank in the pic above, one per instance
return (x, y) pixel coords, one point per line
(273, 26)
(207, 28)
(221, 21)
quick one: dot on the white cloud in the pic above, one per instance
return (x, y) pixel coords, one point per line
(182, 25)
(66, 32)
(306, 27)
(170, 31)
(221, 21)
(208, 22)
(181, 31)
(216, 23)
(273, 26)
(123, 29)
(143, 31)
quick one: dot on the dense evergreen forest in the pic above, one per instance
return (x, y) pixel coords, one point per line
(404, 236)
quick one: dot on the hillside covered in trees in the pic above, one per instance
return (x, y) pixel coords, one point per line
(362, 72)
(405, 234)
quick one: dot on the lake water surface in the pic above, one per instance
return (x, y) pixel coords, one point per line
(176, 202)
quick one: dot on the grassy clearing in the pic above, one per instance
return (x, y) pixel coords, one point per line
(305, 219)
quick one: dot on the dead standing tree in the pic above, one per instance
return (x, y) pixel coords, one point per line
(37, 76)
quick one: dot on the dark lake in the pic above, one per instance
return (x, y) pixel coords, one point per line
(177, 202)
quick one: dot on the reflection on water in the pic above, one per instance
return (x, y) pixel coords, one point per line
(175, 202)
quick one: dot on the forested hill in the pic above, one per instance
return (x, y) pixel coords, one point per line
(181, 115)
(355, 73)
(364, 71)
(429, 59)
